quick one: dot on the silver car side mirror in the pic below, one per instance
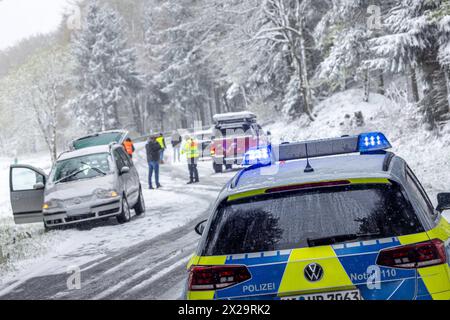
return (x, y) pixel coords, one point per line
(124, 170)
(39, 186)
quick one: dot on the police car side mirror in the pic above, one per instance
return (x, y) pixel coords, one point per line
(200, 228)
(443, 202)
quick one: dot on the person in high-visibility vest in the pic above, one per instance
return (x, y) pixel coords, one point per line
(162, 142)
(129, 147)
(192, 154)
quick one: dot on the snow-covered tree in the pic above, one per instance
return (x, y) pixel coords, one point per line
(106, 68)
(443, 20)
(281, 30)
(343, 33)
(40, 90)
(181, 74)
(416, 40)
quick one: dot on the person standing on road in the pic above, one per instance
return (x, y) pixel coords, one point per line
(129, 147)
(153, 149)
(192, 155)
(176, 145)
(162, 142)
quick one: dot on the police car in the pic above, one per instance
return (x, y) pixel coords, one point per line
(338, 219)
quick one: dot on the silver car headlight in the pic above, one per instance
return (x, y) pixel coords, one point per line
(105, 194)
(52, 204)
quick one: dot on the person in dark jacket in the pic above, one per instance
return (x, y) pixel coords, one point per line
(153, 149)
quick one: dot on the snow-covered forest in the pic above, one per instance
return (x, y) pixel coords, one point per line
(157, 65)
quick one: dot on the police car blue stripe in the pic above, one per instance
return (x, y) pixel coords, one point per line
(374, 282)
(422, 290)
(395, 290)
(265, 281)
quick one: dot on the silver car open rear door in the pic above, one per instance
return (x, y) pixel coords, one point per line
(27, 186)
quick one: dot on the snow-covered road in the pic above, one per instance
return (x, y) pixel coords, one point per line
(143, 259)
(146, 258)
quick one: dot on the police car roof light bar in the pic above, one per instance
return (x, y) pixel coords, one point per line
(364, 143)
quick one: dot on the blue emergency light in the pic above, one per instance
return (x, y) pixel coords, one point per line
(366, 143)
(258, 156)
(374, 141)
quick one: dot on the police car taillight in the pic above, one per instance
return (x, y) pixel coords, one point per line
(419, 255)
(203, 278)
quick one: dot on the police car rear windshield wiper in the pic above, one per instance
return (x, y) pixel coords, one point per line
(340, 238)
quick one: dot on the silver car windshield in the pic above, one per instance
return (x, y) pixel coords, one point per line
(85, 167)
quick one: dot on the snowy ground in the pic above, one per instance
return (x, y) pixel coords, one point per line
(40, 253)
(19, 242)
(139, 259)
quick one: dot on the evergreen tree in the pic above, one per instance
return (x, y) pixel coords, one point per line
(106, 68)
(282, 40)
(179, 70)
(417, 39)
(443, 19)
(344, 33)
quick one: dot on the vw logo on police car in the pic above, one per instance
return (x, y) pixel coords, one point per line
(313, 272)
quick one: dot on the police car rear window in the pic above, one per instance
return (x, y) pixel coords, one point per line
(292, 220)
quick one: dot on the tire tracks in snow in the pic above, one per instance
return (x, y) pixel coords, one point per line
(151, 269)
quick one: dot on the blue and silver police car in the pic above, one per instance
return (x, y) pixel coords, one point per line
(337, 219)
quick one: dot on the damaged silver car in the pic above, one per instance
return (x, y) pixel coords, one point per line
(84, 185)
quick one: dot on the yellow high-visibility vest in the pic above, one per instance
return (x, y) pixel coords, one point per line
(160, 140)
(191, 149)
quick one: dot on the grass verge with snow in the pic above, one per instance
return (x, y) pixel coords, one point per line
(18, 243)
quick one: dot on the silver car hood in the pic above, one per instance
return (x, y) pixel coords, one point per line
(79, 189)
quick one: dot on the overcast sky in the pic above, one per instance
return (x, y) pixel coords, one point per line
(22, 18)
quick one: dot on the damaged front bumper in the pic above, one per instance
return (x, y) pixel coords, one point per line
(84, 212)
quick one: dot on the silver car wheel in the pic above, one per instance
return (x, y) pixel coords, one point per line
(125, 215)
(141, 196)
(126, 208)
(139, 208)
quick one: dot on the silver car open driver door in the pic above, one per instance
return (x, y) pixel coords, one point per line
(27, 187)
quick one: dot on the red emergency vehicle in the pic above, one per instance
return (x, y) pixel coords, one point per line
(234, 134)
